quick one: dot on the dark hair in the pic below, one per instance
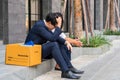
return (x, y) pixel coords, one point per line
(58, 14)
(51, 18)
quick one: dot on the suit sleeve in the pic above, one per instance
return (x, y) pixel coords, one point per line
(61, 40)
(46, 34)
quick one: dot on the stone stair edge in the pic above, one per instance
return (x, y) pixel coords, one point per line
(99, 59)
(96, 65)
(98, 62)
(39, 66)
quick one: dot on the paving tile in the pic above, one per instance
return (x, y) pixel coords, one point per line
(78, 63)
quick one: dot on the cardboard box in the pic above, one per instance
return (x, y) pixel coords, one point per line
(23, 55)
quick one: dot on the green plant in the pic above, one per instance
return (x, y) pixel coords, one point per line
(95, 41)
(72, 36)
(109, 32)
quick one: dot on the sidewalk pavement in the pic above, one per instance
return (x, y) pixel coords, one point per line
(111, 71)
(107, 66)
(103, 67)
(79, 62)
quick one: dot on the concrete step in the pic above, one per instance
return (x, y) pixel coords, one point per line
(112, 37)
(12, 72)
(2, 52)
(79, 62)
(96, 66)
(2, 56)
(2, 47)
(91, 64)
(110, 71)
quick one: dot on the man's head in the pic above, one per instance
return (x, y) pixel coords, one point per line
(58, 14)
(53, 19)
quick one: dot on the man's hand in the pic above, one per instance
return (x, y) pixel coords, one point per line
(78, 43)
(69, 46)
(59, 21)
(75, 42)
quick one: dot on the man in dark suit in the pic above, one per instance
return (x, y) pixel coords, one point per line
(53, 46)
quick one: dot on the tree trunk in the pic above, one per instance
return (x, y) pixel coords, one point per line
(112, 16)
(78, 31)
(64, 8)
(85, 20)
(71, 30)
(107, 18)
(89, 18)
(117, 10)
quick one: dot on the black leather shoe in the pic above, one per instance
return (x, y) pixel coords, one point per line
(69, 75)
(74, 70)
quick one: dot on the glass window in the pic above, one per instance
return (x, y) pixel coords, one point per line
(33, 12)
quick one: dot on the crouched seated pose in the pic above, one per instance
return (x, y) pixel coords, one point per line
(53, 46)
(75, 42)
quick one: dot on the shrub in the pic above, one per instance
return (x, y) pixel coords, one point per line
(95, 41)
(109, 32)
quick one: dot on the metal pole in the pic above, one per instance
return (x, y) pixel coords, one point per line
(29, 14)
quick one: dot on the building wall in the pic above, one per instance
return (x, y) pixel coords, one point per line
(1, 20)
(13, 28)
(50, 6)
(98, 14)
(56, 5)
(12, 17)
(46, 7)
(14, 21)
